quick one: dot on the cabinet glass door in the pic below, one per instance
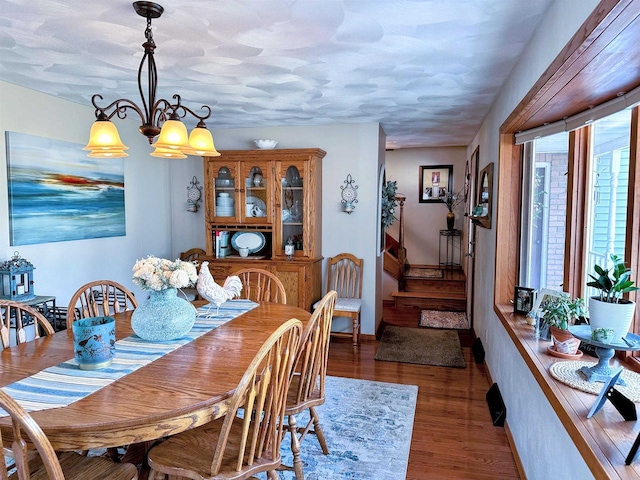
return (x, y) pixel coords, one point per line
(224, 192)
(293, 205)
(256, 193)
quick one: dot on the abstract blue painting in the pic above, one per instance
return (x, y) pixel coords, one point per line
(57, 193)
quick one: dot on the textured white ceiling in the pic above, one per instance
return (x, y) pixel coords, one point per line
(427, 70)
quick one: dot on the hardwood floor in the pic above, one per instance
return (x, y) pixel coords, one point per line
(453, 436)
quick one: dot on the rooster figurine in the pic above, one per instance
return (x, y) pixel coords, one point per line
(214, 293)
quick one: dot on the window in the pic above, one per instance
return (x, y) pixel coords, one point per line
(544, 213)
(608, 183)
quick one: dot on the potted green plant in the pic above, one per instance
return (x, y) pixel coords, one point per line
(559, 312)
(608, 309)
(388, 203)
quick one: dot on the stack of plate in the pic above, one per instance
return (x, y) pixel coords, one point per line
(224, 205)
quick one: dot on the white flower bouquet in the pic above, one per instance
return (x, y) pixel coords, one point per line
(153, 273)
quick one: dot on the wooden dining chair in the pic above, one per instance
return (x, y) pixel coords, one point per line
(239, 446)
(261, 286)
(192, 254)
(98, 299)
(344, 275)
(47, 465)
(15, 317)
(307, 385)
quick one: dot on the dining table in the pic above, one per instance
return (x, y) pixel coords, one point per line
(183, 389)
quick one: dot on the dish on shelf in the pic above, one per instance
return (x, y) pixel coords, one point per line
(552, 351)
(258, 203)
(224, 182)
(266, 144)
(224, 173)
(224, 202)
(293, 177)
(255, 241)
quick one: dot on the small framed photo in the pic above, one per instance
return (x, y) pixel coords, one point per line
(523, 300)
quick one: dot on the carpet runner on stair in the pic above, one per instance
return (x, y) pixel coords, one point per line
(444, 319)
(417, 272)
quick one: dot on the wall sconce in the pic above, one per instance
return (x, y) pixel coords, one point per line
(349, 194)
(194, 195)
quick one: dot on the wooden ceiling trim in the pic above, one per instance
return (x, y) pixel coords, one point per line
(602, 41)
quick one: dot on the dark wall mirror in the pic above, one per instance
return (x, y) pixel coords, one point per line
(481, 213)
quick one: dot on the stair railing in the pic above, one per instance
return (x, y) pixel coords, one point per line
(402, 252)
(395, 255)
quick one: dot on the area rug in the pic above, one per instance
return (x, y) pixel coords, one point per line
(444, 319)
(422, 346)
(368, 428)
(418, 272)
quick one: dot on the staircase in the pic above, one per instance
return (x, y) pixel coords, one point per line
(443, 293)
(416, 285)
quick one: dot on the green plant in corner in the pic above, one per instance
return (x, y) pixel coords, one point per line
(612, 285)
(388, 203)
(560, 311)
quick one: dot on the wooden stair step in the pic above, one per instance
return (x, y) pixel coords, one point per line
(451, 301)
(432, 294)
(430, 284)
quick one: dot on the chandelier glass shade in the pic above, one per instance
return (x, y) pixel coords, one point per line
(160, 118)
(104, 140)
(167, 153)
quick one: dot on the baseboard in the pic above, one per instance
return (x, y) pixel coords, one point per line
(514, 451)
(347, 338)
(510, 439)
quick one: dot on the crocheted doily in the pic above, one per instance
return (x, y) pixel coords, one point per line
(568, 373)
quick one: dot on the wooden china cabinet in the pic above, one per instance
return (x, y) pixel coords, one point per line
(269, 202)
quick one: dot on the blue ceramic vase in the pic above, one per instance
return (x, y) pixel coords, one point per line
(163, 317)
(94, 342)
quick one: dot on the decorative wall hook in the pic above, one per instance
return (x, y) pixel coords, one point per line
(349, 194)
(194, 195)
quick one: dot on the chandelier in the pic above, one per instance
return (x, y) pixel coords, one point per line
(160, 117)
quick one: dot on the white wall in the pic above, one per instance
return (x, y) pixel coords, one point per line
(351, 149)
(62, 267)
(536, 429)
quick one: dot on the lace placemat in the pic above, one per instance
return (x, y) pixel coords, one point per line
(568, 373)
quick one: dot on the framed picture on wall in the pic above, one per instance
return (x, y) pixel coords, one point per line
(435, 182)
(57, 194)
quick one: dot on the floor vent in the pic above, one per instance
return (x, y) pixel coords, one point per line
(496, 406)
